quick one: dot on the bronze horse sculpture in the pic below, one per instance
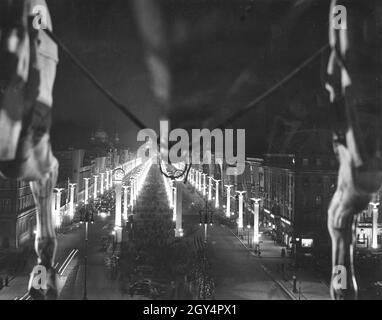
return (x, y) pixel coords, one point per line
(353, 72)
(28, 60)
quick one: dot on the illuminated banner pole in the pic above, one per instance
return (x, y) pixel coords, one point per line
(256, 220)
(86, 190)
(217, 194)
(374, 239)
(178, 210)
(192, 176)
(102, 177)
(204, 186)
(171, 184)
(131, 193)
(95, 187)
(210, 188)
(125, 188)
(71, 202)
(228, 209)
(118, 177)
(241, 220)
(58, 207)
(107, 180)
(174, 201)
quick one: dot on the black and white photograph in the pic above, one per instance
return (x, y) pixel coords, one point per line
(188, 155)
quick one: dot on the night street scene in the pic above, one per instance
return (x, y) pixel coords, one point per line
(181, 150)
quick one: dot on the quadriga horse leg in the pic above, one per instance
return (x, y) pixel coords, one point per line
(43, 281)
(354, 191)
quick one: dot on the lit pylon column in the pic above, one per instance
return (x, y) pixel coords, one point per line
(95, 187)
(136, 188)
(240, 222)
(210, 188)
(217, 193)
(125, 188)
(204, 184)
(374, 236)
(192, 176)
(131, 193)
(256, 220)
(200, 181)
(228, 208)
(71, 201)
(102, 177)
(58, 207)
(133, 190)
(118, 209)
(86, 190)
(178, 224)
(171, 183)
(107, 180)
(174, 201)
(196, 179)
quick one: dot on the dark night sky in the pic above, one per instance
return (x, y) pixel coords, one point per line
(217, 62)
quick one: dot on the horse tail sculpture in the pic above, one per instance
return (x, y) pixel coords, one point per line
(352, 72)
(28, 60)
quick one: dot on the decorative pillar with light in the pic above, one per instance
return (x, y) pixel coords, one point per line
(256, 220)
(95, 187)
(217, 193)
(118, 175)
(228, 208)
(107, 180)
(240, 222)
(178, 209)
(204, 184)
(125, 188)
(58, 206)
(71, 201)
(374, 239)
(210, 188)
(174, 201)
(132, 193)
(86, 190)
(102, 177)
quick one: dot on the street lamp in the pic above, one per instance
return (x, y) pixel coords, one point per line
(228, 209)
(174, 197)
(256, 220)
(240, 220)
(204, 185)
(71, 202)
(118, 175)
(58, 207)
(102, 176)
(216, 193)
(125, 188)
(210, 188)
(374, 239)
(87, 215)
(86, 190)
(95, 191)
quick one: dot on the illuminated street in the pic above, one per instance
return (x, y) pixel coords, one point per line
(168, 151)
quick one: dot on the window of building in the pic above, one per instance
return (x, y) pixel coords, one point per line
(305, 162)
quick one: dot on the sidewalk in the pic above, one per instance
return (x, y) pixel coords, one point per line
(309, 286)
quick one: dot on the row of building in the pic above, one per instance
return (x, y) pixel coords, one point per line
(17, 208)
(295, 192)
